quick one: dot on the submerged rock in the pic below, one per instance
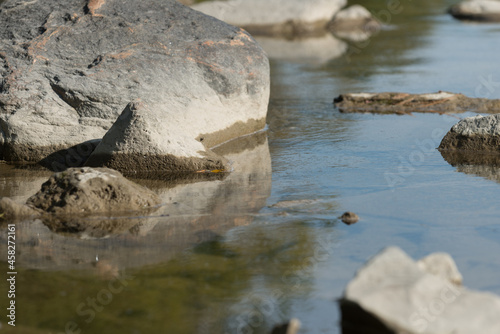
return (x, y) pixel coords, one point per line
(403, 103)
(69, 69)
(86, 191)
(354, 23)
(392, 293)
(478, 134)
(477, 10)
(274, 17)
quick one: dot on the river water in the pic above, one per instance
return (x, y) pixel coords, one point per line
(264, 244)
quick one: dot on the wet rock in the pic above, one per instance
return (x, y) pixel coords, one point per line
(474, 135)
(392, 293)
(274, 17)
(354, 23)
(291, 327)
(310, 50)
(69, 70)
(403, 103)
(86, 191)
(349, 218)
(11, 210)
(477, 10)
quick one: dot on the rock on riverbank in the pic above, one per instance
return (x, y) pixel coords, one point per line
(474, 135)
(477, 10)
(274, 17)
(394, 294)
(69, 70)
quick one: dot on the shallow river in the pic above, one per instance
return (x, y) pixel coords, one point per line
(264, 244)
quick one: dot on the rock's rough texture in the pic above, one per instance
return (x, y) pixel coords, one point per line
(403, 103)
(91, 190)
(69, 69)
(394, 294)
(274, 17)
(477, 10)
(474, 134)
(354, 23)
(139, 141)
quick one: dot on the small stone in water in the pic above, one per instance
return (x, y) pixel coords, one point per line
(349, 218)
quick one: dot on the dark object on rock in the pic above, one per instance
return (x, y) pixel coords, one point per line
(291, 327)
(476, 10)
(87, 191)
(403, 103)
(69, 69)
(349, 218)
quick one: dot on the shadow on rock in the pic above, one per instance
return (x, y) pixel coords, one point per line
(190, 214)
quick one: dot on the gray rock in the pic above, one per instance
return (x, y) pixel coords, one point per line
(69, 69)
(477, 10)
(354, 23)
(86, 191)
(394, 294)
(140, 141)
(274, 17)
(473, 134)
(310, 50)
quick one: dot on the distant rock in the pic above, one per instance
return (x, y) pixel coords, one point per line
(69, 69)
(274, 17)
(86, 191)
(349, 218)
(404, 103)
(354, 23)
(474, 135)
(477, 10)
(392, 293)
(310, 50)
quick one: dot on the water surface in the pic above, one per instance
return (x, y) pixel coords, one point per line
(265, 244)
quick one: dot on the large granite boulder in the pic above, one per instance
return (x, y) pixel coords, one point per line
(477, 10)
(69, 69)
(394, 294)
(474, 135)
(274, 17)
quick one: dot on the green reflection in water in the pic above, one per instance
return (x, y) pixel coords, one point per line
(219, 285)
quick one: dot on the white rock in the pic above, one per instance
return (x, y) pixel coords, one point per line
(480, 6)
(354, 12)
(270, 12)
(478, 125)
(315, 50)
(407, 299)
(441, 265)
